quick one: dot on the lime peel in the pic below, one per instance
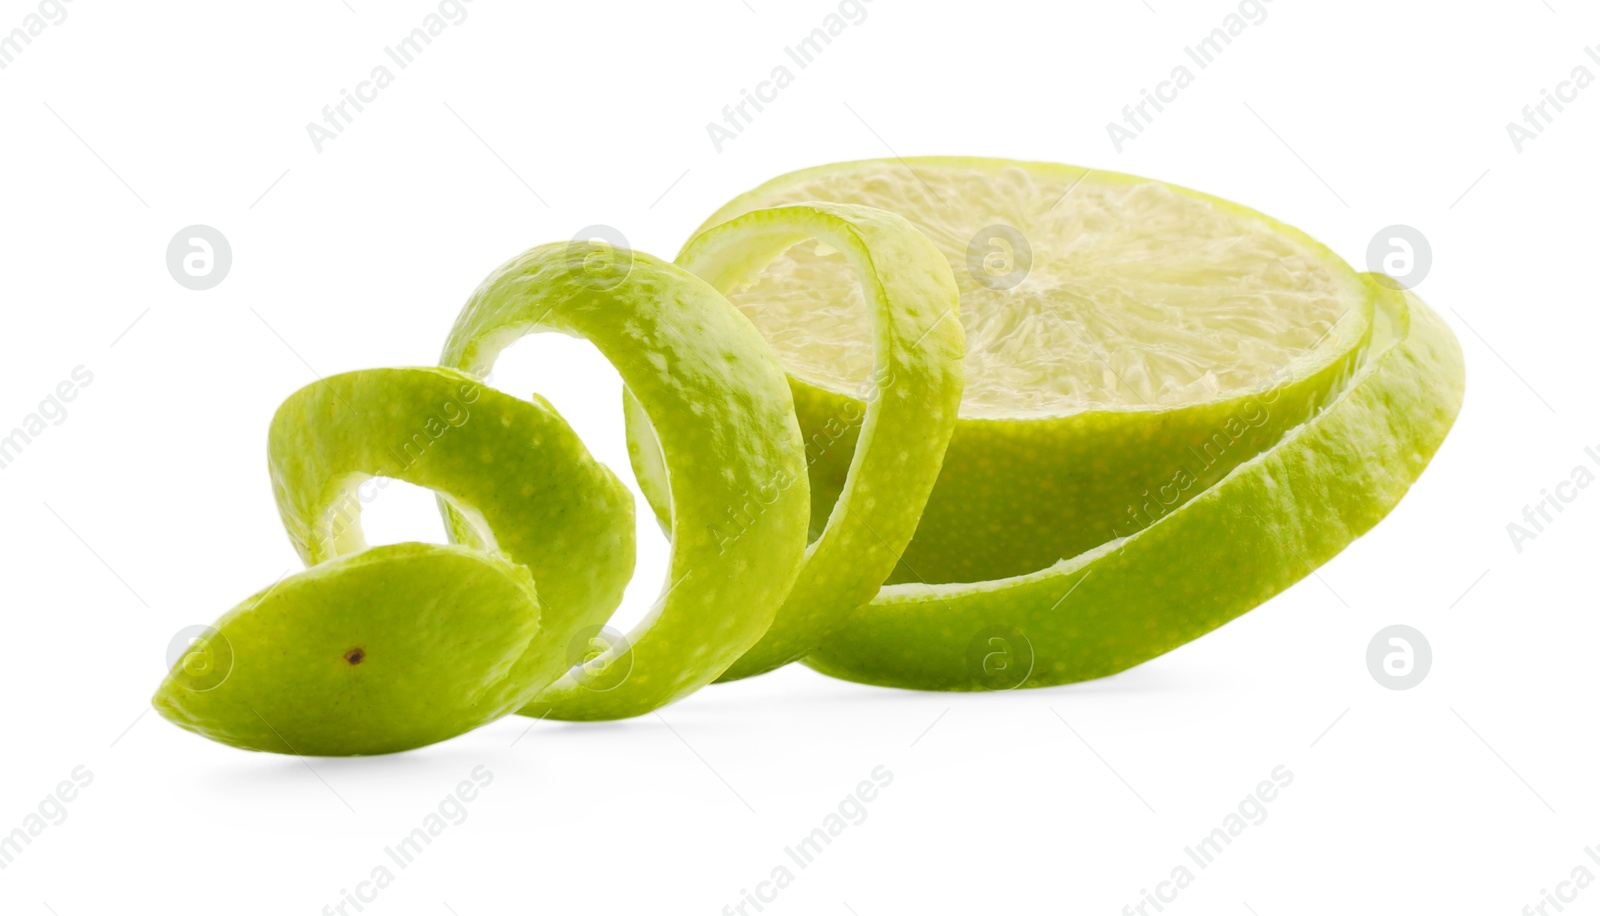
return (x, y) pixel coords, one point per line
(900, 429)
(389, 649)
(721, 412)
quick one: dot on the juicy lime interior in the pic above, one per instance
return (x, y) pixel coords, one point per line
(1080, 290)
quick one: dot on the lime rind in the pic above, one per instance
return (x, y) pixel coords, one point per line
(720, 408)
(908, 407)
(516, 480)
(389, 649)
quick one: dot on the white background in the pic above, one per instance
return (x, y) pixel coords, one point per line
(148, 508)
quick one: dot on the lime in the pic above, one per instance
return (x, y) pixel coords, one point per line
(1075, 419)
(1128, 343)
(1268, 523)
